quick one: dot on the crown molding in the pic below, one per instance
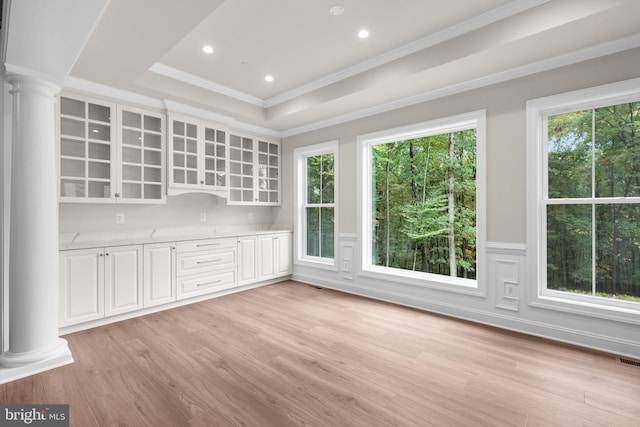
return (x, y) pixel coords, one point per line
(471, 24)
(124, 96)
(174, 73)
(489, 17)
(562, 60)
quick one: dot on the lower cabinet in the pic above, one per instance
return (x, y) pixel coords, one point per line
(274, 255)
(100, 282)
(205, 266)
(159, 274)
(247, 258)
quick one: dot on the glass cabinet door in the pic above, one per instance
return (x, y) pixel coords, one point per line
(215, 155)
(254, 171)
(268, 171)
(86, 149)
(184, 152)
(141, 155)
(241, 169)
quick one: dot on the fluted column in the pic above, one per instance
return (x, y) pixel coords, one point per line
(34, 344)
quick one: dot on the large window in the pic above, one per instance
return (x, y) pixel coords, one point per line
(587, 148)
(420, 199)
(315, 200)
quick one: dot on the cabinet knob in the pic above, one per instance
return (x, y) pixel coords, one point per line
(107, 254)
(117, 195)
(201, 182)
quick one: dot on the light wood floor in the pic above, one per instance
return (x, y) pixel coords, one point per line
(294, 355)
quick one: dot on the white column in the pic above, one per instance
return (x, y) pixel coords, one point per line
(34, 344)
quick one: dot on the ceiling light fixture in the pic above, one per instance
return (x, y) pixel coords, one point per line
(336, 10)
(268, 78)
(363, 34)
(207, 49)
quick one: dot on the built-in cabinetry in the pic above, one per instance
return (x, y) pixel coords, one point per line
(110, 153)
(254, 170)
(159, 274)
(98, 283)
(116, 153)
(197, 156)
(274, 255)
(205, 266)
(247, 259)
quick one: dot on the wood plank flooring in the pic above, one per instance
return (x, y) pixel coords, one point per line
(294, 355)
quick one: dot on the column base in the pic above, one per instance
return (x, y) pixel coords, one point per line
(16, 366)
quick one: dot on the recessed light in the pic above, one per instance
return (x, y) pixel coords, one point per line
(336, 10)
(363, 34)
(268, 78)
(207, 49)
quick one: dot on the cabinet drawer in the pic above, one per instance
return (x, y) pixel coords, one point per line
(205, 283)
(200, 262)
(206, 244)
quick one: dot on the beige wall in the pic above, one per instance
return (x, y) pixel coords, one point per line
(505, 105)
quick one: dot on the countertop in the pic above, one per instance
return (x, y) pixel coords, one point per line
(86, 240)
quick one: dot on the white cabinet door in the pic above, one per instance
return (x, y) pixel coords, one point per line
(197, 156)
(266, 257)
(81, 286)
(87, 150)
(274, 255)
(254, 171)
(284, 253)
(141, 156)
(123, 279)
(159, 274)
(247, 255)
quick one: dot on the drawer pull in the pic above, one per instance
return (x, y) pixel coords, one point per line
(208, 244)
(209, 261)
(207, 284)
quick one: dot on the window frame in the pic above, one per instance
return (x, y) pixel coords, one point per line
(475, 287)
(300, 202)
(538, 112)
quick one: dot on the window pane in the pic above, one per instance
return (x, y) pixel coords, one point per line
(327, 178)
(569, 248)
(618, 251)
(314, 179)
(415, 227)
(320, 232)
(569, 154)
(617, 168)
(326, 232)
(313, 231)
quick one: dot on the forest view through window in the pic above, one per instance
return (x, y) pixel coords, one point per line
(319, 207)
(423, 204)
(593, 202)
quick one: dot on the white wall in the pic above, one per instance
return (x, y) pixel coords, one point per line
(179, 211)
(505, 105)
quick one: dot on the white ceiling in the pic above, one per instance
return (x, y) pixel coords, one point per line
(323, 72)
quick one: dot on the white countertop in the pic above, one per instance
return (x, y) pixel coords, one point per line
(86, 240)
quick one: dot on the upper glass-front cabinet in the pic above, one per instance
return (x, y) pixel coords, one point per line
(87, 150)
(254, 168)
(197, 157)
(141, 155)
(110, 153)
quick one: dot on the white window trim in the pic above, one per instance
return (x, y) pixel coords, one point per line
(475, 119)
(300, 156)
(538, 110)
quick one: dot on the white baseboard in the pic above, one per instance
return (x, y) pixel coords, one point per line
(580, 338)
